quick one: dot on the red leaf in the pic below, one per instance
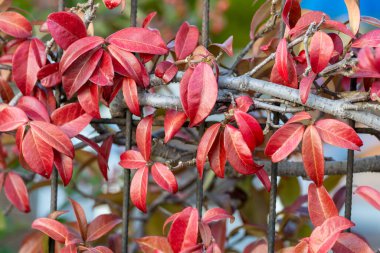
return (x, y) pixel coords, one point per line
(338, 47)
(77, 49)
(184, 230)
(186, 40)
(132, 159)
(299, 117)
(337, 26)
(88, 97)
(49, 75)
(101, 225)
(164, 177)
(284, 141)
(27, 60)
(243, 103)
(16, 192)
(33, 108)
(104, 154)
(281, 60)
(148, 19)
(6, 91)
(51, 228)
(150, 244)
(37, 154)
(172, 123)
(15, 24)
(139, 188)
(202, 91)
(312, 155)
(81, 218)
(217, 155)
(104, 73)
(205, 234)
(291, 13)
(144, 136)
(287, 74)
(166, 70)
(80, 71)
(260, 15)
(369, 39)
(351, 243)
(53, 136)
(205, 145)
(324, 237)
(64, 165)
(216, 214)
(238, 153)
(183, 88)
(72, 248)
(339, 134)
(11, 118)
(264, 178)
(226, 46)
(304, 22)
(131, 96)
(250, 129)
(126, 64)
(111, 4)
(305, 86)
(71, 119)
(138, 40)
(65, 28)
(370, 195)
(320, 205)
(321, 49)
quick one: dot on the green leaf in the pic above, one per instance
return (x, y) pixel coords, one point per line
(289, 190)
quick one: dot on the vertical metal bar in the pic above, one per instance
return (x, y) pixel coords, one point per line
(128, 143)
(350, 168)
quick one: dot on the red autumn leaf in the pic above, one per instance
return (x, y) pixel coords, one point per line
(338, 47)
(49, 75)
(369, 39)
(77, 49)
(37, 154)
(97, 249)
(81, 218)
(284, 141)
(104, 154)
(11, 118)
(202, 91)
(305, 20)
(6, 91)
(323, 237)
(65, 28)
(226, 46)
(312, 155)
(139, 188)
(108, 93)
(216, 214)
(264, 178)
(183, 88)
(88, 97)
(186, 40)
(111, 4)
(80, 71)
(16, 192)
(217, 155)
(101, 225)
(260, 15)
(238, 153)
(144, 136)
(104, 73)
(126, 64)
(184, 231)
(305, 86)
(370, 20)
(291, 13)
(250, 129)
(321, 49)
(33, 108)
(46, 96)
(150, 244)
(172, 123)
(302, 247)
(53, 136)
(320, 205)
(130, 94)
(339, 134)
(370, 195)
(353, 14)
(71, 119)
(291, 80)
(205, 145)
(64, 165)
(164, 177)
(26, 62)
(148, 19)
(337, 26)
(166, 70)
(15, 24)
(281, 60)
(132, 159)
(138, 40)
(351, 243)
(243, 103)
(205, 234)
(51, 228)
(72, 248)
(299, 117)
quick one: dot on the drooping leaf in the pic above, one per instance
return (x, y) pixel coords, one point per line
(16, 192)
(15, 24)
(33, 108)
(64, 165)
(163, 176)
(370, 195)
(144, 136)
(291, 13)
(338, 47)
(260, 15)
(284, 141)
(51, 228)
(148, 19)
(183, 88)
(216, 214)
(130, 94)
(104, 73)
(351, 243)
(281, 60)
(353, 14)
(172, 123)
(320, 205)
(312, 155)
(166, 70)
(290, 71)
(65, 28)
(186, 40)
(217, 155)
(101, 225)
(132, 159)
(299, 117)
(264, 178)
(88, 97)
(11, 118)
(139, 188)
(321, 49)
(81, 218)
(103, 156)
(250, 129)
(305, 86)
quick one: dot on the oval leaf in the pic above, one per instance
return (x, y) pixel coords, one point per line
(51, 228)
(139, 188)
(144, 136)
(101, 225)
(370, 195)
(186, 40)
(16, 192)
(163, 176)
(320, 205)
(321, 49)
